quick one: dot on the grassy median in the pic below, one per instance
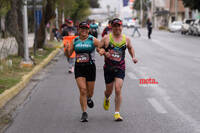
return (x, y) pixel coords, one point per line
(11, 72)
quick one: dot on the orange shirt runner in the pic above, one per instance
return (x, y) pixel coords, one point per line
(67, 40)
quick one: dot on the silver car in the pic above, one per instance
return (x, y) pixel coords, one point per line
(197, 27)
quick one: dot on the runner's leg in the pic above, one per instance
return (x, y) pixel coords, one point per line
(118, 95)
(90, 92)
(109, 89)
(90, 88)
(138, 32)
(70, 63)
(81, 82)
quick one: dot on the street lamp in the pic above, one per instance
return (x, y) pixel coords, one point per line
(108, 8)
(26, 62)
(141, 11)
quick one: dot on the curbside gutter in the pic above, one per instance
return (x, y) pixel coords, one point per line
(8, 94)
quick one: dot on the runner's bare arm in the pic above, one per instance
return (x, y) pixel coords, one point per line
(98, 44)
(131, 50)
(104, 44)
(69, 49)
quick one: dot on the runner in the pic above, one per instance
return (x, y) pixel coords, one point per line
(68, 28)
(136, 28)
(115, 45)
(67, 40)
(94, 29)
(85, 69)
(69, 33)
(108, 29)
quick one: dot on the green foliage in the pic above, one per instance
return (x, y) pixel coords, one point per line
(10, 76)
(145, 4)
(82, 10)
(192, 4)
(69, 7)
(76, 9)
(94, 3)
(4, 7)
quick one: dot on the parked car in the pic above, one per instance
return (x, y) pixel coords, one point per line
(192, 29)
(186, 25)
(197, 27)
(175, 26)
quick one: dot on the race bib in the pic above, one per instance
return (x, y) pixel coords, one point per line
(115, 55)
(82, 58)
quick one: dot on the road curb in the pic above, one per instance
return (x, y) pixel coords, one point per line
(8, 94)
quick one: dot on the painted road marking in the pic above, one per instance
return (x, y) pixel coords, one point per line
(187, 117)
(157, 106)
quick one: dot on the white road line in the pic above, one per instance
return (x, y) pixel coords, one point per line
(187, 117)
(157, 106)
(162, 92)
(131, 75)
(174, 50)
(197, 59)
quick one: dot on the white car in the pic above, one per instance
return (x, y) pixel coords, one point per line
(175, 26)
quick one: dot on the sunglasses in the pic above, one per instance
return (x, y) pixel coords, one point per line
(119, 22)
(84, 27)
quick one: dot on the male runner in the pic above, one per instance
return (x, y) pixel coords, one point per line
(115, 44)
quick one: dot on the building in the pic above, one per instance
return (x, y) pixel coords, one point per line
(181, 10)
(160, 13)
(164, 12)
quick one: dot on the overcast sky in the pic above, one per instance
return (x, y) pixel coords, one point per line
(113, 3)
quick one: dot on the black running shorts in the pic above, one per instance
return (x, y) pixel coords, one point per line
(87, 71)
(111, 73)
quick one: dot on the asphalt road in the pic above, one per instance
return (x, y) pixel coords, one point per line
(171, 106)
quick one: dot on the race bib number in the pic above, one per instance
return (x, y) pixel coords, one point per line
(115, 55)
(82, 58)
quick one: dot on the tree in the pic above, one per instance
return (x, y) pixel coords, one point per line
(14, 24)
(145, 6)
(4, 8)
(136, 5)
(68, 7)
(48, 13)
(94, 3)
(192, 4)
(82, 10)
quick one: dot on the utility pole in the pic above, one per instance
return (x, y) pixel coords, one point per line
(57, 18)
(141, 11)
(115, 12)
(176, 10)
(152, 12)
(35, 27)
(108, 8)
(27, 62)
(25, 29)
